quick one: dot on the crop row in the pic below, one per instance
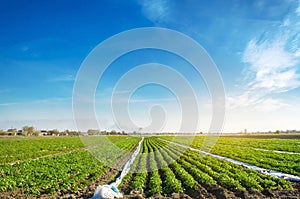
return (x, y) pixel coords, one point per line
(288, 163)
(289, 145)
(62, 173)
(246, 177)
(285, 145)
(174, 169)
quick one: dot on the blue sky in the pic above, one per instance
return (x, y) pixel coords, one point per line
(255, 44)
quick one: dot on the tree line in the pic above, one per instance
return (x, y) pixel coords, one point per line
(32, 131)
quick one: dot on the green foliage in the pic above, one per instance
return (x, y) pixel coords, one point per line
(199, 175)
(160, 168)
(48, 175)
(209, 170)
(28, 130)
(65, 172)
(27, 148)
(254, 151)
(139, 181)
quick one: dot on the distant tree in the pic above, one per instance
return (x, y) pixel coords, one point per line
(54, 132)
(74, 133)
(36, 133)
(93, 132)
(277, 132)
(66, 132)
(28, 130)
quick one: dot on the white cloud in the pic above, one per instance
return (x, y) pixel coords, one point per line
(274, 67)
(273, 64)
(243, 100)
(155, 10)
(298, 10)
(286, 22)
(268, 55)
(269, 105)
(46, 101)
(8, 104)
(62, 78)
(297, 53)
(256, 101)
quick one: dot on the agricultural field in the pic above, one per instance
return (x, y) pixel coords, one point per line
(67, 167)
(276, 154)
(70, 167)
(163, 169)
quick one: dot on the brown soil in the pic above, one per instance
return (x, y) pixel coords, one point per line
(216, 192)
(213, 192)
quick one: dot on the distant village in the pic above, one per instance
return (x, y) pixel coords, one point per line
(32, 131)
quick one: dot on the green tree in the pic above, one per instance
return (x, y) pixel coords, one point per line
(93, 132)
(54, 132)
(36, 133)
(28, 130)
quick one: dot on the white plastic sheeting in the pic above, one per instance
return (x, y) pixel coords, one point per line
(267, 150)
(273, 173)
(110, 191)
(126, 167)
(275, 151)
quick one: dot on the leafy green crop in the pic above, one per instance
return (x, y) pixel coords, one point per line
(174, 169)
(253, 151)
(64, 173)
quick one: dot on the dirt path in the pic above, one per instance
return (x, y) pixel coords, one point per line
(217, 192)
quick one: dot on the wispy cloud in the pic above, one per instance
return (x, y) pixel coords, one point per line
(298, 10)
(270, 104)
(63, 78)
(273, 61)
(50, 100)
(274, 67)
(155, 10)
(8, 104)
(38, 101)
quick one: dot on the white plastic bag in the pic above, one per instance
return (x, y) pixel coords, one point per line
(107, 192)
